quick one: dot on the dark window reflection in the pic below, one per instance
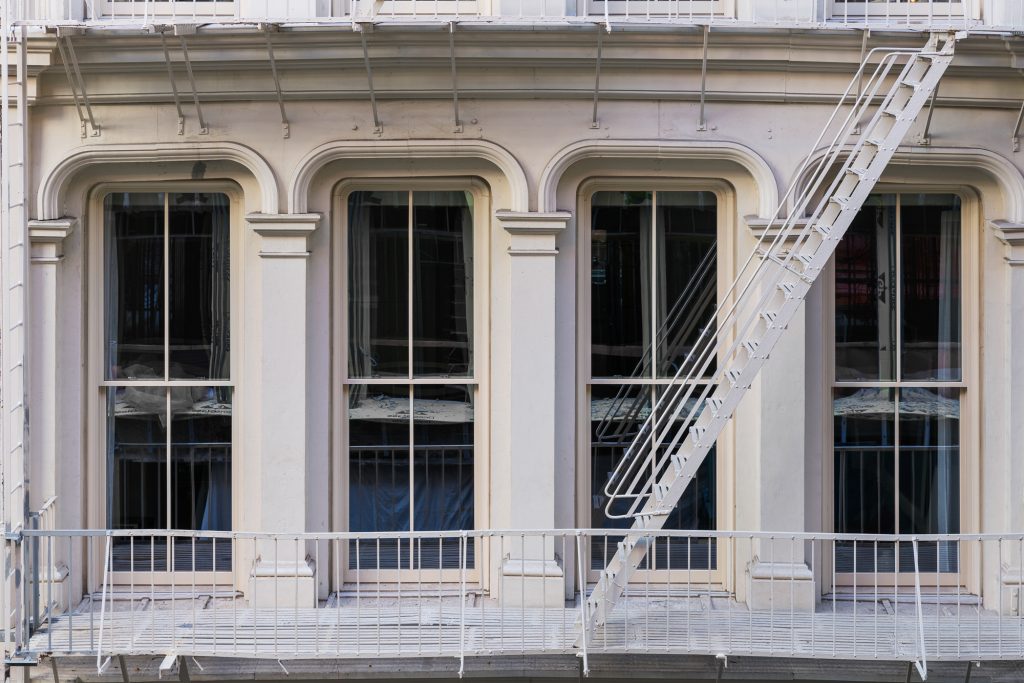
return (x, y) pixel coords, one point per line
(652, 291)
(134, 271)
(883, 486)
(378, 281)
(442, 283)
(398, 485)
(930, 286)
(199, 282)
(865, 285)
(687, 276)
(620, 278)
(617, 413)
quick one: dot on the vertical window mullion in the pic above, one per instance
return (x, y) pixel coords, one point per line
(898, 286)
(167, 367)
(410, 334)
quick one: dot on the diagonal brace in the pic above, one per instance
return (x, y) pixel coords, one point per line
(378, 127)
(455, 82)
(77, 83)
(285, 127)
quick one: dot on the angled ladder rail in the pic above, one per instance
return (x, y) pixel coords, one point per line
(688, 418)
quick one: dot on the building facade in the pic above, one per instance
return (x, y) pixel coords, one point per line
(417, 337)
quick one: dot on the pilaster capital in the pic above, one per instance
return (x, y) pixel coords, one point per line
(757, 226)
(283, 235)
(1011, 234)
(47, 238)
(533, 233)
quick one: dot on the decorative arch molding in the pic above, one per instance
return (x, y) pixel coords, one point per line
(56, 182)
(718, 150)
(312, 163)
(1007, 176)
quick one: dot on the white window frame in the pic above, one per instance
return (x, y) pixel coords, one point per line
(720, 576)
(479, 379)
(96, 404)
(970, 393)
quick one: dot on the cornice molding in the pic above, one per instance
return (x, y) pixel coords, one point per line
(760, 171)
(56, 181)
(314, 161)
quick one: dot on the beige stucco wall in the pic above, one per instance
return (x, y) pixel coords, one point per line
(526, 101)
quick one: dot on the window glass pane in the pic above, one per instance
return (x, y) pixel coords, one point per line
(864, 475)
(378, 284)
(201, 473)
(378, 425)
(930, 287)
(617, 414)
(620, 276)
(199, 303)
(442, 469)
(137, 473)
(134, 272)
(442, 284)
(865, 284)
(687, 274)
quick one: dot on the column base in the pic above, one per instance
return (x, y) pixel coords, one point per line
(282, 584)
(1012, 598)
(780, 586)
(53, 589)
(532, 583)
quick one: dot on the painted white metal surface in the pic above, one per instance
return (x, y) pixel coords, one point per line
(923, 611)
(755, 311)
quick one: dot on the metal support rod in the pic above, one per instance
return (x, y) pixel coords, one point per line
(174, 86)
(378, 128)
(81, 85)
(1016, 128)
(594, 123)
(72, 83)
(455, 82)
(924, 138)
(285, 128)
(702, 123)
(860, 78)
(203, 128)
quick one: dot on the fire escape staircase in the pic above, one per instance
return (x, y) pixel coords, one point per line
(870, 122)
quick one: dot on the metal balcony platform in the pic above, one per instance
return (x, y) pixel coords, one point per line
(707, 624)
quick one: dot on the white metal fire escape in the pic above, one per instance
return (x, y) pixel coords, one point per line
(14, 268)
(753, 314)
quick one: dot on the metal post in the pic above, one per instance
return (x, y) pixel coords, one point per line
(702, 123)
(174, 86)
(203, 128)
(922, 661)
(378, 128)
(285, 127)
(594, 123)
(455, 83)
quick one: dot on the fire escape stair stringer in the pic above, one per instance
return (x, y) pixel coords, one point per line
(782, 287)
